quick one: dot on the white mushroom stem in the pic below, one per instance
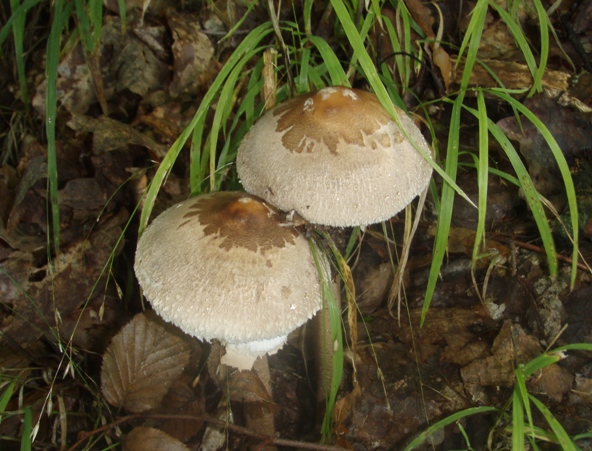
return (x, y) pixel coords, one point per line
(243, 355)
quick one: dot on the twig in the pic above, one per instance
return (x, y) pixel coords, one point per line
(216, 421)
(540, 250)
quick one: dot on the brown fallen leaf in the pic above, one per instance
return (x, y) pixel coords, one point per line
(552, 381)
(511, 347)
(109, 135)
(35, 296)
(151, 439)
(140, 365)
(181, 400)
(193, 52)
(423, 16)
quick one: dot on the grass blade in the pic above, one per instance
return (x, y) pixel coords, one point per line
(421, 438)
(472, 39)
(375, 82)
(563, 168)
(15, 15)
(517, 422)
(61, 13)
(332, 304)
(18, 31)
(520, 396)
(482, 175)
(446, 206)
(5, 398)
(336, 72)
(562, 436)
(27, 430)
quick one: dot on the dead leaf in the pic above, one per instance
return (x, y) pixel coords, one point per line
(134, 65)
(109, 135)
(511, 73)
(181, 400)
(423, 16)
(151, 439)
(552, 381)
(511, 347)
(193, 52)
(34, 292)
(140, 365)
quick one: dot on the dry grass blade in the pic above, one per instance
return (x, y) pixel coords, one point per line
(140, 365)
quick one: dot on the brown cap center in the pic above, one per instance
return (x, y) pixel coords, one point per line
(241, 220)
(329, 116)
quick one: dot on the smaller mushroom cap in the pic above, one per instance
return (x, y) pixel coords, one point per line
(224, 266)
(336, 157)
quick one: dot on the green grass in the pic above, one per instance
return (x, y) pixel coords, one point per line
(519, 413)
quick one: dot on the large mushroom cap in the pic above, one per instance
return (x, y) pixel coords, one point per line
(224, 266)
(336, 157)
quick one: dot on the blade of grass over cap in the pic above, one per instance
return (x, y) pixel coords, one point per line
(378, 87)
(239, 57)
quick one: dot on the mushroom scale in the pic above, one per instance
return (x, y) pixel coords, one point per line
(224, 266)
(336, 157)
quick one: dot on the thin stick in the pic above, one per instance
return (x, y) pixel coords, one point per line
(232, 427)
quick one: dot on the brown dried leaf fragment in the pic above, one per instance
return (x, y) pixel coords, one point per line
(181, 400)
(151, 439)
(140, 365)
(193, 52)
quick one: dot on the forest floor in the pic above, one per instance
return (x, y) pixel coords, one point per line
(59, 312)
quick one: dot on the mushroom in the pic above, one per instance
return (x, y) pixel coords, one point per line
(225, 266)
(336, 157)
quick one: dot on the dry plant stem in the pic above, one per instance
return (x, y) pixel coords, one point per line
(212, 420)
(540, 250)
(395, 293)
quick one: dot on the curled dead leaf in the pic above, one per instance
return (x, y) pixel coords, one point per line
(140, 365)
